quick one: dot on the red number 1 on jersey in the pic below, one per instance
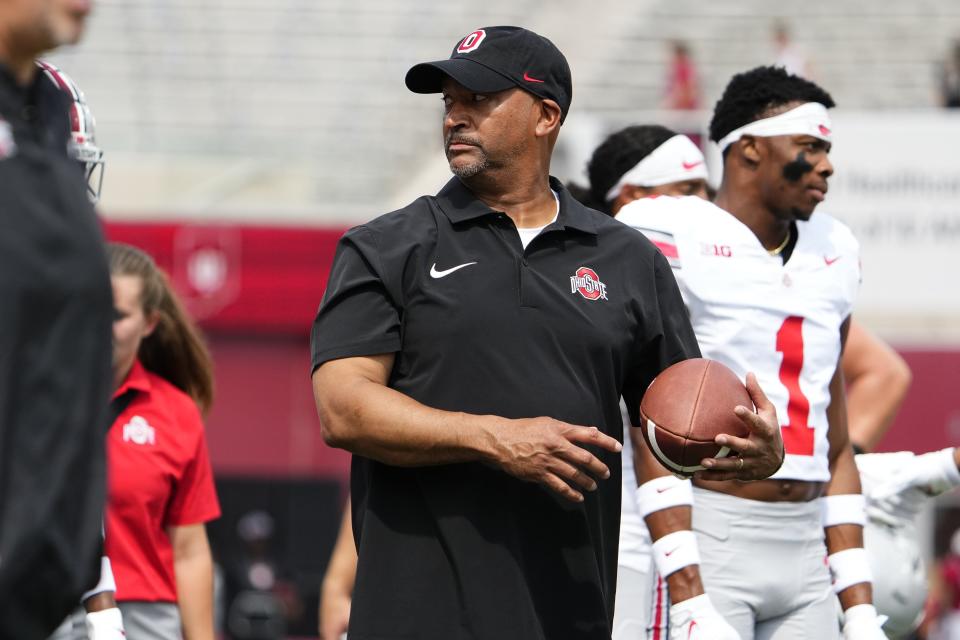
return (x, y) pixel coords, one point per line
(797, 434)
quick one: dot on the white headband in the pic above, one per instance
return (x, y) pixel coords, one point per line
(809, 119)
(675, 160)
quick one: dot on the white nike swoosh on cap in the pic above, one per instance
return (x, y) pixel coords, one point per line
(440, 274)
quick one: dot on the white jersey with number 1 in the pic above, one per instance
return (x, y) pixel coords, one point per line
(752, 312)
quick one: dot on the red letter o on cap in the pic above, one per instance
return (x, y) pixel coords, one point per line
(472, 41)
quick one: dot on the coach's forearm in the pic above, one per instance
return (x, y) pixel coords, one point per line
(383, 424)
(359, 413)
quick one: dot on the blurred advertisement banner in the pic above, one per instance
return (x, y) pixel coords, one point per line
(240, 278)
(897, 185)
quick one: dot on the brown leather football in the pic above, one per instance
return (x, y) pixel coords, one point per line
(685, 407)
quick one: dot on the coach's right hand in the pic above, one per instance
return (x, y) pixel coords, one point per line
(552, 453)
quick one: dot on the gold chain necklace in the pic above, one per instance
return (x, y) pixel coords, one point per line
(779, 249)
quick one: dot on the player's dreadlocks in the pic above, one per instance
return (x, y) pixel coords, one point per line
(619, 153)
(751, 94)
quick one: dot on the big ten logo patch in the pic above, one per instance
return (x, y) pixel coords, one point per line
(587, 283)
(139, 431)
(472, 41)
(718, 250)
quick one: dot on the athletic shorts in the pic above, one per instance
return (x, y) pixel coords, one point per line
(764, 566)
(141, 621)
(73, 628)
(151, 620)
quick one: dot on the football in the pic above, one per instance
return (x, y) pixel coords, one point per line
(686, 407)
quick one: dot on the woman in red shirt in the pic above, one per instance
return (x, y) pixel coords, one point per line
(160, 484)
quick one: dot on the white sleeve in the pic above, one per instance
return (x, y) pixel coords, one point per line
(877, 468)
(897, 485)
(849, 250)
(661, 214)
(659, 219)
(106, 582)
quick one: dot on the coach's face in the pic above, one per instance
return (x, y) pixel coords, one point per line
(35, 26)
(486, 131)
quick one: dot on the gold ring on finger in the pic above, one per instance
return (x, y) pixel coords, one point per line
(739, 463)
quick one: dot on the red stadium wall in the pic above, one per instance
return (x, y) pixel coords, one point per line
(263, 421)
(930, 416)
(234, 278)
(255, 291)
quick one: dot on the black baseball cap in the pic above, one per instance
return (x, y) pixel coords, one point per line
(495, 59)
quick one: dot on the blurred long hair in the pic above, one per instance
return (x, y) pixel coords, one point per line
(175, 351)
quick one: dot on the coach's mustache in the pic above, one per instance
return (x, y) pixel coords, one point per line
(461, 139)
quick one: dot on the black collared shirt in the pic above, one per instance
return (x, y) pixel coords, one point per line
(55, 351)
(589, 311)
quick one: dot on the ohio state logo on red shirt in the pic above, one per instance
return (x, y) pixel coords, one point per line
(587, 283)
(139, 431)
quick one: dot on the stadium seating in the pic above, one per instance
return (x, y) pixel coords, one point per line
(295, 109)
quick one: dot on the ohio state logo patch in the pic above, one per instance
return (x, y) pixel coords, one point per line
(587, 283)
(472, 41)
(139, 431)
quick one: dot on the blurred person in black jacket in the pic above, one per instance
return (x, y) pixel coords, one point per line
(98, 617)
(55, 335)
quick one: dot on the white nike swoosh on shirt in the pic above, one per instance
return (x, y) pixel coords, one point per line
(441, 274)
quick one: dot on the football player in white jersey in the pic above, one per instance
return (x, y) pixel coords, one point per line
(641, 161)
(637, 162)
(98, 618)
(770, 289)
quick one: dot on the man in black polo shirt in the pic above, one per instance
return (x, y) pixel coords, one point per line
(482, 338)
(55, 336)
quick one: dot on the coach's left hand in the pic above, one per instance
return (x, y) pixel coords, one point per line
(760, 454)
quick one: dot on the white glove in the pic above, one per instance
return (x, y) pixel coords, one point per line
(696, 619)
(861, 622)
(898, 498)
(106, 624)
